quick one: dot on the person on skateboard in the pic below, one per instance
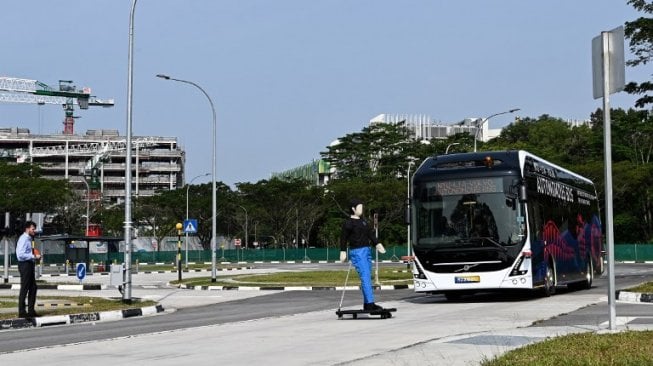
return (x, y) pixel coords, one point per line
(359, 234)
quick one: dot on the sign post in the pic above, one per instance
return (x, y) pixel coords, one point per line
(237, 245)
(81, 272)
(190, 227)
(178, 227)
(608, 77)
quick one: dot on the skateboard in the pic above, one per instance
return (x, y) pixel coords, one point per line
(384, 314)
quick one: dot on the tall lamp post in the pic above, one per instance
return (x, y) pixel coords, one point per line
(480, 124)
(127, 278)
(246, 236)
(88, 199)
(408, 208)
(214, 193)
(187, 187)
(450, 145)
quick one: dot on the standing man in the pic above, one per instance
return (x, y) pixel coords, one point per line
(26, 264)
(358, 234)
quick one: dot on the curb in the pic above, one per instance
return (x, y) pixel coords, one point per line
(79, 318)
(90, 286)
(634, 296)
(46, 275)
(286, 288)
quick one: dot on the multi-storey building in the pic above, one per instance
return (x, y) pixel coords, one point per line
(99, 155)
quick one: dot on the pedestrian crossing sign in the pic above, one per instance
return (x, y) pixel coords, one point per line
(190, 226)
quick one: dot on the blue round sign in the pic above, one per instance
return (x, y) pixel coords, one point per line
(81, 271)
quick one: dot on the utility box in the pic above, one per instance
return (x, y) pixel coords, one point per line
(116, 275)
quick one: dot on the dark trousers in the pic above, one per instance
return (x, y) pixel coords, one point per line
(27, 287)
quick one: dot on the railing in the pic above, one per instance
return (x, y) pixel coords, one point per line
(623, 252)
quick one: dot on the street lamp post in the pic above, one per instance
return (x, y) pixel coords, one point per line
(88, 199)
(127, 277)
(213, 189)
(408, 208)
(450, 145)
(187, 187)
(246, 234)
(480, 124)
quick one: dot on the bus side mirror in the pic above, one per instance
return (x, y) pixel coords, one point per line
(522, 193)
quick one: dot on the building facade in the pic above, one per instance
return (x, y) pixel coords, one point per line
(99, 159)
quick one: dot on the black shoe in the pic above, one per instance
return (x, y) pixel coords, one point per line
(23, 315)
(372, 307)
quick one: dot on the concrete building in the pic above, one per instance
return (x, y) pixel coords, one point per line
(317, 171)
(99, 155)
(423, 127)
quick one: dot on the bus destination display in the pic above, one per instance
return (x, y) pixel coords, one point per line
(468, 186)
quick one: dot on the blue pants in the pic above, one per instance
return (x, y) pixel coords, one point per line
(361, 258)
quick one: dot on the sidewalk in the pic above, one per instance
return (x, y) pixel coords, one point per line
(419, 334)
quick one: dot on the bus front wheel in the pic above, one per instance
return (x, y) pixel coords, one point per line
(549, 281)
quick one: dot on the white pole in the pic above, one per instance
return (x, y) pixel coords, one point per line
(88, 199)
(127, 293)
(408, 208)
(6, 277)
(608, 180)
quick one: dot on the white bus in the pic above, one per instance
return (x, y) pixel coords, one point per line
(502, 221)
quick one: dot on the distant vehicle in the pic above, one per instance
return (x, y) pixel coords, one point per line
(500, 221)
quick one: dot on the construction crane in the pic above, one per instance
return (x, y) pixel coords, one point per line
(15, 90)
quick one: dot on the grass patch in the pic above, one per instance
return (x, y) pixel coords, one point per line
(80, 304)
(644, 288)
(171, 267)
(625, 348)
(387, 276)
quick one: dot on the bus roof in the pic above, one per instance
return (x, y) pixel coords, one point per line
(513, 159)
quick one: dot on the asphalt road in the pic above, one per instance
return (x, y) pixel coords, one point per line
(279, 304)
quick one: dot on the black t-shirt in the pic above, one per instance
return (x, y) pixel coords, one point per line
(357, 233)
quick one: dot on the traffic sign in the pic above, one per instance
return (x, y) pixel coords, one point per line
(190, 226)
(81, 271)
(237, 242)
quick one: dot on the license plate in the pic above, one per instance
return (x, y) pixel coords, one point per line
(468, 279)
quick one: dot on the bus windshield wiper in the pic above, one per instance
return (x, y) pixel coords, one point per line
(491, 241)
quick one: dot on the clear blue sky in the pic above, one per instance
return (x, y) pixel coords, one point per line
(290, 76)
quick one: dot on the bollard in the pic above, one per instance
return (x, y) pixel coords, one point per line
(179, 226)
(136, 265)
(67, 265)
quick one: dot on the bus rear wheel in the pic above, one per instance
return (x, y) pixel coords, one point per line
(586, 284)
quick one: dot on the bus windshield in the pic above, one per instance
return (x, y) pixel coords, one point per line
(458, 212)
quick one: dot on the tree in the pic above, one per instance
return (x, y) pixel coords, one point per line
(281, 205)
(23, 190)
(640, 34)
(384, 196)
(381, 149)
